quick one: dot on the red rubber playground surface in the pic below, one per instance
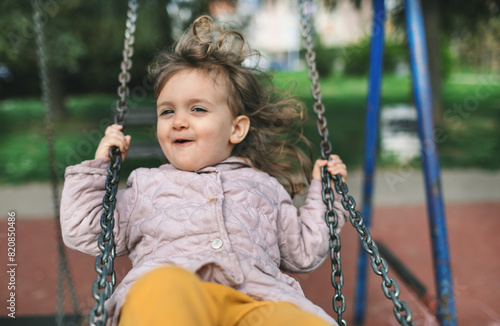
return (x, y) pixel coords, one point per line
(473, 230)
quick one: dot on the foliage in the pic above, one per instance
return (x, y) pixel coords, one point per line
(356, 57)
(455, 20)
(325, 59)
(471, 136)
(84, 41)
(458, 16)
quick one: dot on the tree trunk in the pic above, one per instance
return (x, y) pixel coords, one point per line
(431, 14)
(57, 95)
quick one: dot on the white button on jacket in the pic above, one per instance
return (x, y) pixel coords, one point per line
(216, 243)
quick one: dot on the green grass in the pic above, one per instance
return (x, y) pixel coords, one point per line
(345, 101)
(470, 135)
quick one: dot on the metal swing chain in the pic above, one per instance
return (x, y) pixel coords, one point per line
(319, 108)
(331, 218)
(103, 286)
(389, 286)
(63, 271)
(128, 52)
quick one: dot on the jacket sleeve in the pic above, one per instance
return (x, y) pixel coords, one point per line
(303, 234)
(81, 207)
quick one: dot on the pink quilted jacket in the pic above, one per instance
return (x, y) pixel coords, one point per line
(229, 223)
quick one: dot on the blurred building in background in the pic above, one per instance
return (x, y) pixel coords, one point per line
(273, 26)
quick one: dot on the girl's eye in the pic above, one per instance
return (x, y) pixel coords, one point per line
(199, 109)
(166, 111)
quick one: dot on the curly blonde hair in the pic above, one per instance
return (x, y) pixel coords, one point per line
(273, 143)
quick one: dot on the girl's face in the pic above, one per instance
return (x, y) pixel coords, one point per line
(195, 125)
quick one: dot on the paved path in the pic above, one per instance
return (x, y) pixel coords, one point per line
(392, 187)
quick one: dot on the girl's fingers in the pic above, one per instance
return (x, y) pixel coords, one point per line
(127, 146)
(334, 166)
(117, 141)
(338, 170)
(113, 137)
(321, 163)
(334, 159)
(113, 130)
(339, 165)
(127, 141)
(317, 168)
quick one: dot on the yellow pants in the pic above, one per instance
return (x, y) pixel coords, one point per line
(175, 296)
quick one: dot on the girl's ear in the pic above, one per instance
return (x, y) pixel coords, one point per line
(241, 125)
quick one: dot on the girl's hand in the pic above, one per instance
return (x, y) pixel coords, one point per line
(113, 137)
(335, 166)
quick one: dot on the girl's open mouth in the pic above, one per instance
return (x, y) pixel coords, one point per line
(182, 141)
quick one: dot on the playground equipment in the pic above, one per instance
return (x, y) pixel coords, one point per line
(103, 286)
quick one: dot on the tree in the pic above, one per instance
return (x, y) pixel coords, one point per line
(84, 41)
(444, 20)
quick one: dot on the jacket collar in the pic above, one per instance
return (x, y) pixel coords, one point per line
(230, 163)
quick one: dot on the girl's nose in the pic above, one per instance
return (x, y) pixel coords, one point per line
(180, 121)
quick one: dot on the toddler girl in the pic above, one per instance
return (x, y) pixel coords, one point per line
(209, 233)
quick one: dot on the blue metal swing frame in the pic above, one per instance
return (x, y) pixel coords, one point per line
(446, 312)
